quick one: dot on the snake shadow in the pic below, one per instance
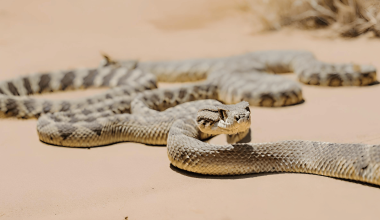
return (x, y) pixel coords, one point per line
(374, 83)
(255, 175)
(100, 146)
(203, 176)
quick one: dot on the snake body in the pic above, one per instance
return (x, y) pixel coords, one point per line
(358, 162)
(135, 110)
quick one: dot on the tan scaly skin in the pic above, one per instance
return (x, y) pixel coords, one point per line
(360, 162)
(170, 116)
(230, 80)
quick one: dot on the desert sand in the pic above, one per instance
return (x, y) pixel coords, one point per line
(39, 181)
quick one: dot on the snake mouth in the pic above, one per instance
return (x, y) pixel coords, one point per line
(224, 119)
(232, 128)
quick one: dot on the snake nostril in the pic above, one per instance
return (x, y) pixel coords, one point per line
(237, 117)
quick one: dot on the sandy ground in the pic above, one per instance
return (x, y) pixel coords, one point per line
(38, 181)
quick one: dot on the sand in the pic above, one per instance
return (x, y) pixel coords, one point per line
(39, 181)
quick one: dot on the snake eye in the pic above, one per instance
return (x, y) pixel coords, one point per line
(248, 109)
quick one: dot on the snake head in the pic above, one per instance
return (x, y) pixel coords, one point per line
(224, 119)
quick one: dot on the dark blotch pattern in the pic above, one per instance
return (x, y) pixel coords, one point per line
(349, 77)
(124, 79)
(12, 88)
(65, 130)
(74, 120)
(287, 100)
(334, 80)
(46, 106)
(12, 108)
(314, 79)
(154, 98)
(30, 105)
(65, 106)
(168, 95)
(44, 82)
(299, 99)
(90, 119)
(89, 79)
(68, 80)
(182, 93)
(126, 92)
(214, 91)
(95, 127)
(153, 83)
(1, 91)
(105, 114)
(70, 114)
(191, 97)
(267, 100)
(55, 118)
(107, 78)
(27, 86)
(42, 123)
(86, 111)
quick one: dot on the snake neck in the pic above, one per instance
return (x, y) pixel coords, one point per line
(359, 162)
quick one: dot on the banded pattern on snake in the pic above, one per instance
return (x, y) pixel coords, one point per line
(135, 110)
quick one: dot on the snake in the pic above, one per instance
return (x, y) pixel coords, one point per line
(216, 101)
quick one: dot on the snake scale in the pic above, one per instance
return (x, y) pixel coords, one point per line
(216, 102)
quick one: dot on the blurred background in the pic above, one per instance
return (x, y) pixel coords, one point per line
(72, 33)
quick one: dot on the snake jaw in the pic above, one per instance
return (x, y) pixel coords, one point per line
(223, 124)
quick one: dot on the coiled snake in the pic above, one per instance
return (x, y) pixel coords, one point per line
(135, 110)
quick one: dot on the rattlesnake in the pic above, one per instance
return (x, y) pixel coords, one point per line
(167, 116)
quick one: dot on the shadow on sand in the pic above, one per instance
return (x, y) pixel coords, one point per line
(254, 175)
